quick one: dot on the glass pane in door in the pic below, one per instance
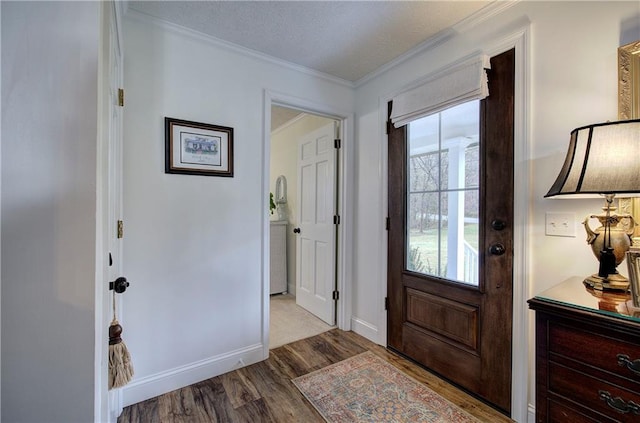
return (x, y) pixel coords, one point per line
(443, 194)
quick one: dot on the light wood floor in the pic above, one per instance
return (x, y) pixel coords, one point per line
(263, 392)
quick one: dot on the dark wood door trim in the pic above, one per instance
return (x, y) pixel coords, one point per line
(395, 249)
(499, 196)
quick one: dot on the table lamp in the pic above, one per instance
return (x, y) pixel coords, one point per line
(603, 160)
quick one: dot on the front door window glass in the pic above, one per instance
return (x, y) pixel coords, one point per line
(443, 194)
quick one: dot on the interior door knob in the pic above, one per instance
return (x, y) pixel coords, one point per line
(497, 249)
(119, 285)
(296, 230)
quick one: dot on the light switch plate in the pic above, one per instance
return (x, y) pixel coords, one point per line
(560, 224)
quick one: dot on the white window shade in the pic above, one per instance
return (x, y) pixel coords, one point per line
(456, 85)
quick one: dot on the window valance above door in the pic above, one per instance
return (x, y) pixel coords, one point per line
(458, 84)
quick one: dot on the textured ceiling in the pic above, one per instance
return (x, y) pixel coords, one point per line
(345, 39)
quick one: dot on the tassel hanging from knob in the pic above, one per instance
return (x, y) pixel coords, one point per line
(120, 365)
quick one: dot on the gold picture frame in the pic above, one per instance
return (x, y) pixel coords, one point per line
(629, 81)
(629, 108)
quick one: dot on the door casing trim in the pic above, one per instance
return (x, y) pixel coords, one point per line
(344, 244)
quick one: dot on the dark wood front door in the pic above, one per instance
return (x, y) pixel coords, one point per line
(451, 240)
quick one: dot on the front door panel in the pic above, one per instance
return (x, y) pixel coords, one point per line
(450, 263)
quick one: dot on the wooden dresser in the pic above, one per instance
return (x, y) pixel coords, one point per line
(587, 355)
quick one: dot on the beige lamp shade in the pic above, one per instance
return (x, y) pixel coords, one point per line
(602, 158)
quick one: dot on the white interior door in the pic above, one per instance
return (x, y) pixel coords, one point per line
(114, 188)
(316, 239)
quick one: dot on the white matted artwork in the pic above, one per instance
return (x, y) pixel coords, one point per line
(195, 148)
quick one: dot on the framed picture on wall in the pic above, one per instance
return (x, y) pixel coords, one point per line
(194, 148)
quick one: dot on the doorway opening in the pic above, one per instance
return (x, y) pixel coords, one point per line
(303, 190)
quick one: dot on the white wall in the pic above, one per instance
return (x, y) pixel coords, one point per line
(49, 126)
(573, 82)
(284, 148)
(193, 244)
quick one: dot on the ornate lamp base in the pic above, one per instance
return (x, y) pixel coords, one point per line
(613, 282)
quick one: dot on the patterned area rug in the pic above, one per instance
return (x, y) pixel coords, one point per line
(365, 388)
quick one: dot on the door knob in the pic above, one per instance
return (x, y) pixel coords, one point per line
(296, 230)
(497, 249)
(498, 224)
(119, 285)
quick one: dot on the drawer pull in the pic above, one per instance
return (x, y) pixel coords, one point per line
(624, 360)
(619, 404)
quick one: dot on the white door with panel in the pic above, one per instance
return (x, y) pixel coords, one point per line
(316, 231)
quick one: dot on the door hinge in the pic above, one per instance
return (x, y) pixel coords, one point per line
(121, 97)
(336, 143)
(120, 229)
(336, 220)
(336, 295)
(387, 224)
(386, 303)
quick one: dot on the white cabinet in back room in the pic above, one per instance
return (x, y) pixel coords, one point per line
(278, 253)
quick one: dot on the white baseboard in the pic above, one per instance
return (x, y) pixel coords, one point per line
(179, 377)
(531, 415)
(365, 329)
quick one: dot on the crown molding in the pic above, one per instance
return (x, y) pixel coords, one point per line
(135, 15)
(490, 10)
(440, 38)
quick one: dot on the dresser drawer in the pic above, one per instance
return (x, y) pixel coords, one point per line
(562, 412)
(595, 350)
(587, 391)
